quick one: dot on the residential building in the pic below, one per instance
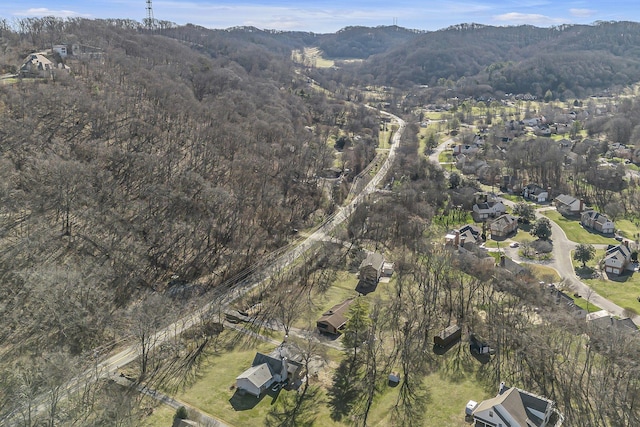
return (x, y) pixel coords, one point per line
(597, 221)
(371, 268)
(503, 226)
(264, 371)
(465, 237)
(484, 210)
(513, 407)
(617, 259)
(333, 321)
(605, 321)
(535, 193)
(569, 205)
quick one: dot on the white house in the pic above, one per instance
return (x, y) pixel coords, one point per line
(488, 210)
(617, 259)
(535, 193)
(264, 371)
(514, 408)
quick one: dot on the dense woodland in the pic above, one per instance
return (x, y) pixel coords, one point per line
(166, 166)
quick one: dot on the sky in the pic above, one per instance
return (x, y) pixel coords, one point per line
(330, 16)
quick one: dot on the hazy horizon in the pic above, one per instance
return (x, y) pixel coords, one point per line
(329, 17)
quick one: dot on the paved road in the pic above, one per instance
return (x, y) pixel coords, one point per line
(108, 367)
(561, 261)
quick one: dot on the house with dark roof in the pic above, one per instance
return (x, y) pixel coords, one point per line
(597, 221)
(605, 321)
(484, 210)
(617, 259)
(464, 237)
(511, 266)
(535, 193)
(513, 407)
(333, 321)
(503, 226)
(568, 205)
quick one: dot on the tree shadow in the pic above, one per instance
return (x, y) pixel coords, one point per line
(294, 409)
(242, 401)
(343, 392)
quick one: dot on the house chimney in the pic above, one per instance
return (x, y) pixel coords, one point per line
(626, 243)
(462, 239)
(581, 206)
(502, 260)
(456, 241)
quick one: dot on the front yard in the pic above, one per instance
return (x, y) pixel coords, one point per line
(575, 232)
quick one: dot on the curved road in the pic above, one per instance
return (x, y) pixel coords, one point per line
(561, 262)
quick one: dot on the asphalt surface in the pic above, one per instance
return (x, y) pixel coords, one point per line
(561, 261)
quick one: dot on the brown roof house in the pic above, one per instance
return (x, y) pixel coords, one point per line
(513, 407)
(503, 226)
(333, 321)
(617, 259)
(569, 205)
(596, 221)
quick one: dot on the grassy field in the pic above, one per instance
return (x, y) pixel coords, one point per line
(627, 229)
(384, 139)
(543, 272)
(343, 288)
(446, 156)
(623, 291)
(457, 380)
(575, 232)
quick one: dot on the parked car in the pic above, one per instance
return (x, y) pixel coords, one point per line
(514, 245)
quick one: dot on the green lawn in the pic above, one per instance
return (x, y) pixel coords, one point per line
(449, 388)
(574, 231)
(543, 272)
(384, 139)
(623, 291)
(584, 304)
(627, 228)
(343, 288)
(445, 156)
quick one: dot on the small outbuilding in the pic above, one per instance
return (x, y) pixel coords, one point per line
(448, 336)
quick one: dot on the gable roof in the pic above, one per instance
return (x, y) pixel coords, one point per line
(337, 315)
(596, 216)
(503, 221)
(374, 260)
(518, 405)
(621, 252)
(565, 199)
(471, 233)
(274, 365)
(258, 375)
